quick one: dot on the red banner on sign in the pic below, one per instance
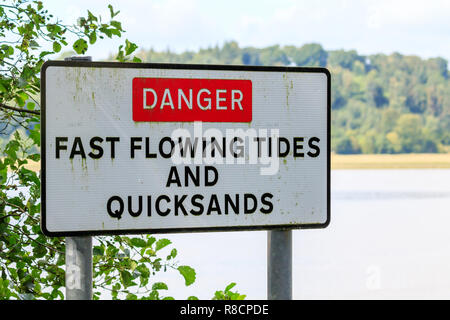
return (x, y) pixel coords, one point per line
(208, 100)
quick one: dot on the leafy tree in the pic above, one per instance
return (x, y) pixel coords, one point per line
(31, 264)
(311, 54)
(344, 59)
(230, 52)
(338, 100)
(410, 133)
(444, 130)
(368, 93)
(376, 94)
(395, 145)
(347, 145)
(250, 56)
(438, 65)
(273, 55)
(416, 101)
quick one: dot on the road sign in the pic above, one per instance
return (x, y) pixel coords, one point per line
(151, 148)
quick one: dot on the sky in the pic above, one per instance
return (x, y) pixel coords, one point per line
(411, 27)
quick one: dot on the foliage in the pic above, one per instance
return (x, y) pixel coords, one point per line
(31, 264)
(227, 294)
(308, 55)
(371, 95)
(133, 261)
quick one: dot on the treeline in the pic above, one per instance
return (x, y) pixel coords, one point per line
(380, 103)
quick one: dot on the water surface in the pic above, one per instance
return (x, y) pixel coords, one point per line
(388, 238)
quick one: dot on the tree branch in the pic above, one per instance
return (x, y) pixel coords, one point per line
(4, 106)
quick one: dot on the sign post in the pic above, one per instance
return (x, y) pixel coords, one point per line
(79, 255)
(134, 148)
(79, 268)
(279, 265)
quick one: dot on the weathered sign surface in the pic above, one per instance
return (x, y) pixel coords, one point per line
(134, 148)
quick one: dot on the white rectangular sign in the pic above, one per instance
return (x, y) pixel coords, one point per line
(134, 148)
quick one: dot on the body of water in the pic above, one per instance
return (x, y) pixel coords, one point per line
(388, 238)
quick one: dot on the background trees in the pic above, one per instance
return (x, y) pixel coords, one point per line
(380, 103)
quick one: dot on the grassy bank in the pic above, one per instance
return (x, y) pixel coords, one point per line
(391, 161)
(372, 161)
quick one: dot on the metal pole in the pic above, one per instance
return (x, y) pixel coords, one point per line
(79, 268)
(279, 265)
(79, 256)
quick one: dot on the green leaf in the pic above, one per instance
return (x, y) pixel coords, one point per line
(8, 50)
(3, 175)
(218, 295)
(127, 279)
(116, 24)
(154, 295)
(159, 286)
(98, 251)
(27, 72)
(46, 53)
(115, 32)
(111, 11)
(36, 137)
(161, 243)
(56, 46)
(120, 55)
(172, 254)
(138, 242)
(133, 266)
(230, 286)
(188, 273)
(34, 44)
(227, 294)
(31, 105)
(130, 47)
(92, 17)
(92, 37)
(21, 98)
(11, 149)
(131, 296)
(26, 175)
(39, 251)
(80, 46)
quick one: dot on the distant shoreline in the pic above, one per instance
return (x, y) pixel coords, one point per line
(391, 161)
(370, 161)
